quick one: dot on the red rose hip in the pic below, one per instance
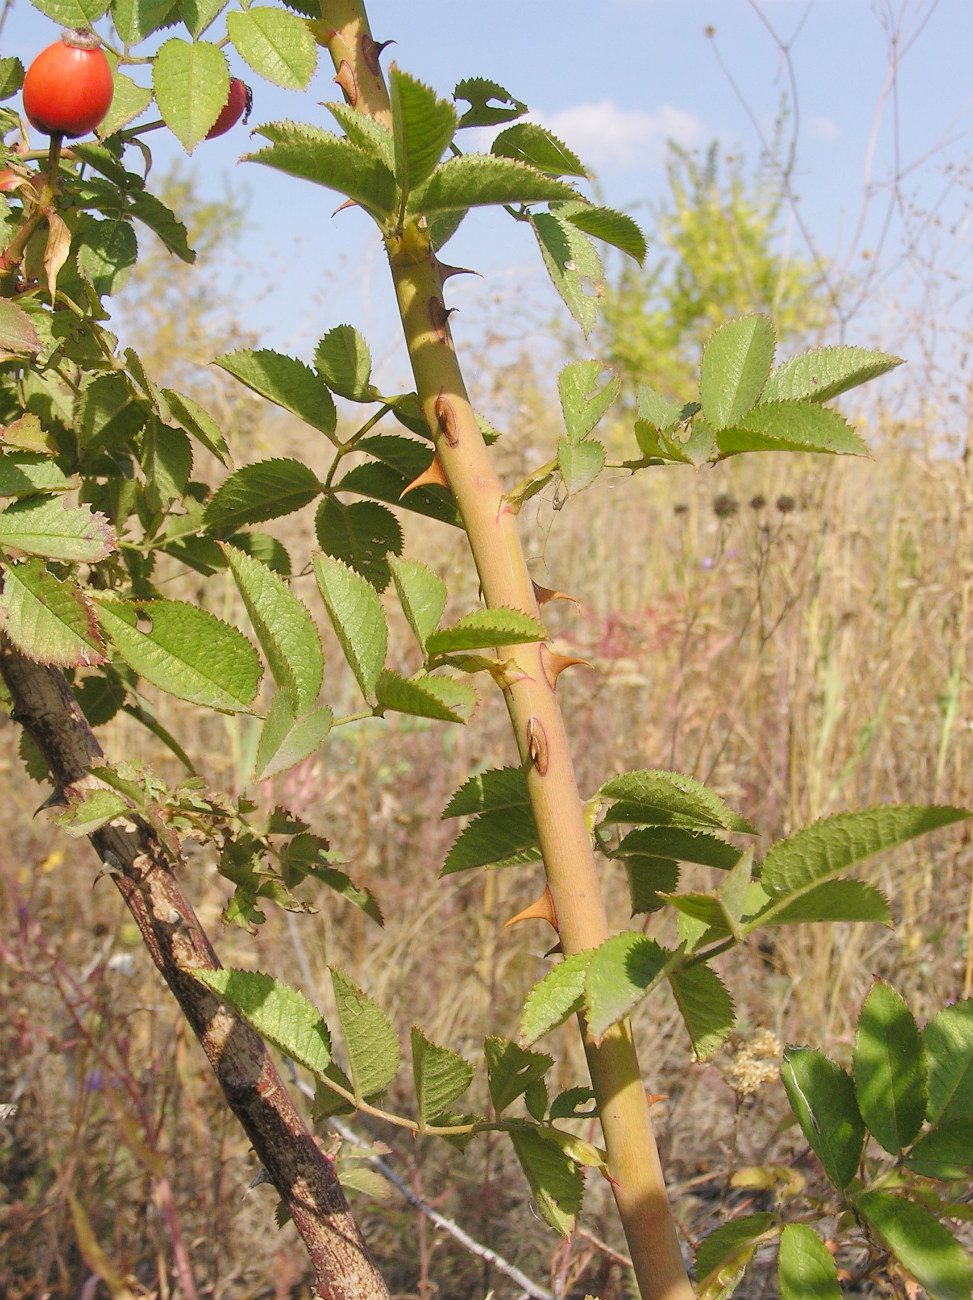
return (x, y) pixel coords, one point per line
(237, 105)
(68, 88)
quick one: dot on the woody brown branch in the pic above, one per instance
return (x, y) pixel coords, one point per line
(304, 1177)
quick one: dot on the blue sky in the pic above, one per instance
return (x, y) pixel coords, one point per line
(616, 80)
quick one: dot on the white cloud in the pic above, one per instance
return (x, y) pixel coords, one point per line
(608, 138)
(822, 128)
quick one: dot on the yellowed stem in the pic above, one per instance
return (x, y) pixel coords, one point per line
(491, 526)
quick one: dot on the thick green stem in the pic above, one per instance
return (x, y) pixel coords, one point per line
(491, 526)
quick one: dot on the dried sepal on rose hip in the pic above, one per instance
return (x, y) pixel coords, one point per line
(238, 104)
(68, 88)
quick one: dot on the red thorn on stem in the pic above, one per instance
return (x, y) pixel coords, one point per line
(432, 474)
(542, 909)
(554, 664)
(544, 594)
(445, 271)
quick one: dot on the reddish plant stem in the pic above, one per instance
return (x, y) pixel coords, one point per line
(572, 877)
(304, 1177)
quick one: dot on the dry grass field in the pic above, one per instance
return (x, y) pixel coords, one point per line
(797, 633)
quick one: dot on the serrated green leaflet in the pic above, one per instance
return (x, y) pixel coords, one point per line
(276, 44)
(327, 160)
(619, 974)
(398, 461)
(502, 787)
(286, 739)
(136, 19)
(370, 1041)
(421, 594)
(680, 843)
(110, 412)
(945, 1151)
(344, 361)
(791, 426)
(736, 363)
(827, 847)
(11, 77)
(357, 617)
(511, 1070)
(579, 463)
(73, 13)
(889, 1069)
(556, 1181)
(266, 490)
(725, 1243)
(658, 411)
(835, 900)
(152, 212)
(17, 332)
(198, 14)
(364, 132)
(49, 527)
(22, 473)
(539, 147)
(191, 82)
(822, 1097)
(822, 373)
(606, 224)
(440, 1076)
(198, 423)
(281, 1015)
(287, 382)
(426, 696)
(805, 1267)
(573, 264)
(422, 127)
(167, 461)
(480, 94)
(284, 628)
(658, 798)
(706, 1006)
(184, 651)
(479, 180)
(486, 627)
(926, 1247)
(361, 534)
(49, 620)
(948, 1041)
(497, 838)
(106, 253)
(583, 402)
